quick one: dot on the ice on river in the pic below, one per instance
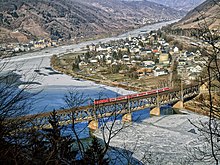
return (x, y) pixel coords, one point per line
(161, 140)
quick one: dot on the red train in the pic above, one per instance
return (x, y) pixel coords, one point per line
(102, 101)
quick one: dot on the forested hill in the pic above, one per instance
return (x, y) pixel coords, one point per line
(24, 20)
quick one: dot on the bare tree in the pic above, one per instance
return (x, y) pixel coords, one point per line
(15, 101)
(207, 148)
(108, 118)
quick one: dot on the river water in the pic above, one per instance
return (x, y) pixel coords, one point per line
(54, 85)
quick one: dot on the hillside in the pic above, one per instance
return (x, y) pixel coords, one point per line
(207, 13)
(25, 20)
(185, 5)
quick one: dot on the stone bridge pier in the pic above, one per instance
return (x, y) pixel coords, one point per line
(127, 117)
(93, 125)
(179, 105)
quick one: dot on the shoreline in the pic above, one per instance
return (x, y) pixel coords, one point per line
(187, 105)
(97, 81)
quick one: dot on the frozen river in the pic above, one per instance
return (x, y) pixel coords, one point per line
(54, 85)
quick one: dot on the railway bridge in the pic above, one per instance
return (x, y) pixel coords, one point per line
(124, 107)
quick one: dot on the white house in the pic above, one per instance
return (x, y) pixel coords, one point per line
(108, 59)
(162, 41)
(99, 49)
(82, 63)
(126, 58)
(92, 47)
(148, 51)
(159, 72)
(99, 56)
(176, 50)
(147, 63)
(196, 69)
(182, 62)
(93, 61)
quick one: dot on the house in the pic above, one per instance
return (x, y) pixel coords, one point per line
(126, 44)
(149, 64)
(155, 50)
(190, 58)
(109, 59)
(133, 62)
(166, 44)
(82, 64)
(92, 47)
(99, 57)
(126, 58)
(94, 60)
(162, 41)
(101, 49)
(141, 72)
(114, 63)
(164, 58)
(160, 72)
(136, 50)
(143, 38)
(54, 43)
(187, 54)
(182, 62)
(124, 49)
(199, 60)
(176, 50)
(196, 69)
(39, 45)
(138, 57)
(109, 49)
(148, 51)
(16, 49)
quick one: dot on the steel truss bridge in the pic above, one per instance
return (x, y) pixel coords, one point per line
(123, 107)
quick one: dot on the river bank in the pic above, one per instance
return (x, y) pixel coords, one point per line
(97, 81)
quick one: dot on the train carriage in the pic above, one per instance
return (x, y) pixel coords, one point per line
(126, 97)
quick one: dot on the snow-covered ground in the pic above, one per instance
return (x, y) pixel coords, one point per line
(54, 85)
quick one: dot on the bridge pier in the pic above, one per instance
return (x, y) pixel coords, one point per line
(127, 118)
(93, 125)
(155, 111)
(179, 105)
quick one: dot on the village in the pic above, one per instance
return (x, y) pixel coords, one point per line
(140, 63)
(7, 50)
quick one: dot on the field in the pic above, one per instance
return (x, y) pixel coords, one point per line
(101, 73)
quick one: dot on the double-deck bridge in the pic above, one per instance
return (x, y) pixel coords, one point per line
(125, 107)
